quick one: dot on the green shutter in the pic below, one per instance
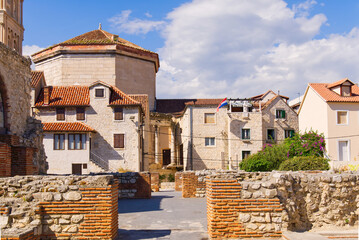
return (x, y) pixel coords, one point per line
(283, 114)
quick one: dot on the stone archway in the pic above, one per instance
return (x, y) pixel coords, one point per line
(4, 123)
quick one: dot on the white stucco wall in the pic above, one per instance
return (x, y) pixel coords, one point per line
(60, 161)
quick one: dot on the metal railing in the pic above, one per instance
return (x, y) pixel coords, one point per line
(100, 162)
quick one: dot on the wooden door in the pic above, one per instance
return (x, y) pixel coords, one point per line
(166, 156)
(77, 169)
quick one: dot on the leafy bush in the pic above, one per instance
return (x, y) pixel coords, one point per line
(268, 159)
(305, 163)
(309, 144)
(162, 177)
(171, 177)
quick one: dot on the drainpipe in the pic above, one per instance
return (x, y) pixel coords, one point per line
(191, 137)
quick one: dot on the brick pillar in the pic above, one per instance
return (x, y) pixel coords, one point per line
(189, 184)
(5, 160)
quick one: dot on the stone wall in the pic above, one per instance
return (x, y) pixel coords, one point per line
(178, 181)
(265, 204)
(49, 207)
(15, 119)
(155, 182)
(134, 185)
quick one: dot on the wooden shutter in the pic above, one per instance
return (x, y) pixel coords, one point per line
(118, 113)
(80, 113)
(283, 114)
(60, 114)
(119, 140)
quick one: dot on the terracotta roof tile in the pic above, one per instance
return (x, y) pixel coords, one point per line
(141, 98)
(331, 96)
(337, 83)
(66, 96)
(36, 76)
(66, 127)
(100, 36)
(120, 98)
(258, 97)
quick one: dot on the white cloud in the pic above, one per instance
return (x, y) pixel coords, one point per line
(28, 50)
(231, 48)
(123, 23)
(303, 8)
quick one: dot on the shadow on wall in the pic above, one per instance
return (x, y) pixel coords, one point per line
(142, 234)
(140, 205)
(104, 150)
(198, 163)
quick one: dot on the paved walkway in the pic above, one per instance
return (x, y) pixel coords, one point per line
(165, 216)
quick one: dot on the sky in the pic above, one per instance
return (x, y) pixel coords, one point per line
(216, 48)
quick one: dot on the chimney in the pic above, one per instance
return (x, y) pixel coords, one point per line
(46, 95)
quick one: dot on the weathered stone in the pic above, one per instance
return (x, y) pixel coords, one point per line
(72, 196)
(256, 186)
(246, 194)
(251, 226)
(71, 229)
(57, 197)
(63, 221)
(271, 193)
(56, 228)
(47, 196)
(244, 217)
(77, 218)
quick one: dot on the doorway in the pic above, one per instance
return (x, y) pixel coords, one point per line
(343, 149)
(166, 156)
(77, 169)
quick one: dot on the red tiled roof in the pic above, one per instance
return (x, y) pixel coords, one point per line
(261, 95)
(120, 98)
(141, 98)
(66, 127)
(36, 77)
(337, 83)
(330, 96)
(65, 96)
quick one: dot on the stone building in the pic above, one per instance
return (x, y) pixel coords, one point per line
(191, 133)
(91, 128)
(21, 149)
(95, 60)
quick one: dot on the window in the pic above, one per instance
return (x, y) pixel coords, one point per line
(119, 140)
(289, 133)
(245, 154)
(60, 114)
(77, 141)
(209, 118)
(280, 114)
(346, 91)
(118, 113)
(99, 92)
(342, 117)
(84, 166)
(210, 141)
(80, 113)
(270, 134)
(246, 134)
(59, 141)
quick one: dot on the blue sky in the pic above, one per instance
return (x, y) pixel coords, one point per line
(211, 48)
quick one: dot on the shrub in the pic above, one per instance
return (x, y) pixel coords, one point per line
(309, 144)
(171, 177)
(267, 159)
(162, 177)
(305, 163)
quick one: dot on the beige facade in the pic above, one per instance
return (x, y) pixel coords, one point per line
(321, 112)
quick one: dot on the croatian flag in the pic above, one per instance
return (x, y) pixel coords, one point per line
(223, 103)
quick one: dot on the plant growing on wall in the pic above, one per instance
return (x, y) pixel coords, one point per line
(308, 144)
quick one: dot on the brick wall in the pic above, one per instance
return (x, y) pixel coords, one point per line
(155, 182)
(230, 216)
(178, 181)
(189, 184)
(56, 207)
(5, 160)
(134, 185)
